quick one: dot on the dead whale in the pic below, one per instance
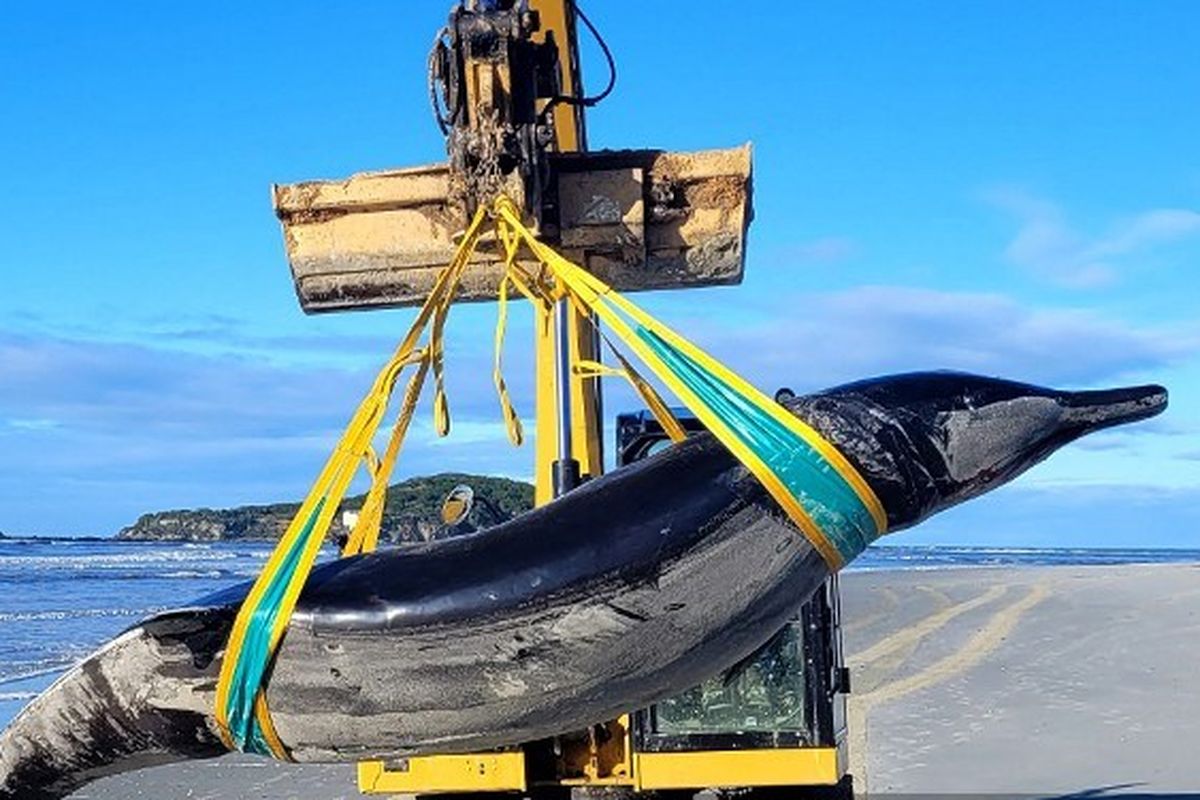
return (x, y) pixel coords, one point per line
(632, 588)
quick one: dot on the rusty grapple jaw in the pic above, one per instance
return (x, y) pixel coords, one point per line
(491, 84)
(637, 219)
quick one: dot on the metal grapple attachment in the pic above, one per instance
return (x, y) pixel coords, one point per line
(638, 219)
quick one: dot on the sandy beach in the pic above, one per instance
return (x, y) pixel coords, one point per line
(1034, 681)
(1055, 681)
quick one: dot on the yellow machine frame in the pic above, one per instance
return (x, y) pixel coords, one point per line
(615, 762)
(645, 772)
(586, 424)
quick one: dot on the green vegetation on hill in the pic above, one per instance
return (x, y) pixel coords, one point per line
(412, 513)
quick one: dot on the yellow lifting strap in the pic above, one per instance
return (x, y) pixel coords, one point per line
(241, 710)
(818, 488)
(662, 412)
(813, 482)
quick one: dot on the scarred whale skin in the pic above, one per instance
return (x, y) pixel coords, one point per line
(634, 587)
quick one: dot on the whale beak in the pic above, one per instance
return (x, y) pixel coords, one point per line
(1104, 408)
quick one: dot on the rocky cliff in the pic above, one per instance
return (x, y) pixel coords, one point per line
(412, 513)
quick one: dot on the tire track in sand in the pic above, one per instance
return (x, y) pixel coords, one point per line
(876, 662)
(891, 601)
(984, 642)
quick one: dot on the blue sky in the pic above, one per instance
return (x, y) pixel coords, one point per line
(1008, 190)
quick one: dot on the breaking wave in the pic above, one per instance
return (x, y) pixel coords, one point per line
(77, 613)
(61, 599)
(123, 561)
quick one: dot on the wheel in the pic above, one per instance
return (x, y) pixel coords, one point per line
(842, 790)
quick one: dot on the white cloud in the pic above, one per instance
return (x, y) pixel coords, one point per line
(141, 428)
(811, 340)
(1102, 515)
(1049, 246)
(95, 433)
(18, 424)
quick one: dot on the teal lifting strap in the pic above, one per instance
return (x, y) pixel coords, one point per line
(829, 500)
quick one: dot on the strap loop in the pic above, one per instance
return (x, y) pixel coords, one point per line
(512, 422)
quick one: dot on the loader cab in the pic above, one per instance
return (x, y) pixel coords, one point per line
(789, 697)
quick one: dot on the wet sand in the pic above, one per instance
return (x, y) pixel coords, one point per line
(1051, 682)
(1036, 681)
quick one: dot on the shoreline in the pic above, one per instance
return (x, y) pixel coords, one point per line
(1190, 553)
(1016, 680)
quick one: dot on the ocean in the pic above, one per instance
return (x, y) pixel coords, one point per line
(60, 599)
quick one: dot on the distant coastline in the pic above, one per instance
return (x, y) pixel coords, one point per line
(33, 537)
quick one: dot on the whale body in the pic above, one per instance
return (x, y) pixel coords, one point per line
(632, 588)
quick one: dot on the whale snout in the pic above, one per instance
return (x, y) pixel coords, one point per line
(989, 445)
(939, 438)
(1104, 408)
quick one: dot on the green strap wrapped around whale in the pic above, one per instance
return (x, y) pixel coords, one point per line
(812, 481)
(255, 654)
(840, 515)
